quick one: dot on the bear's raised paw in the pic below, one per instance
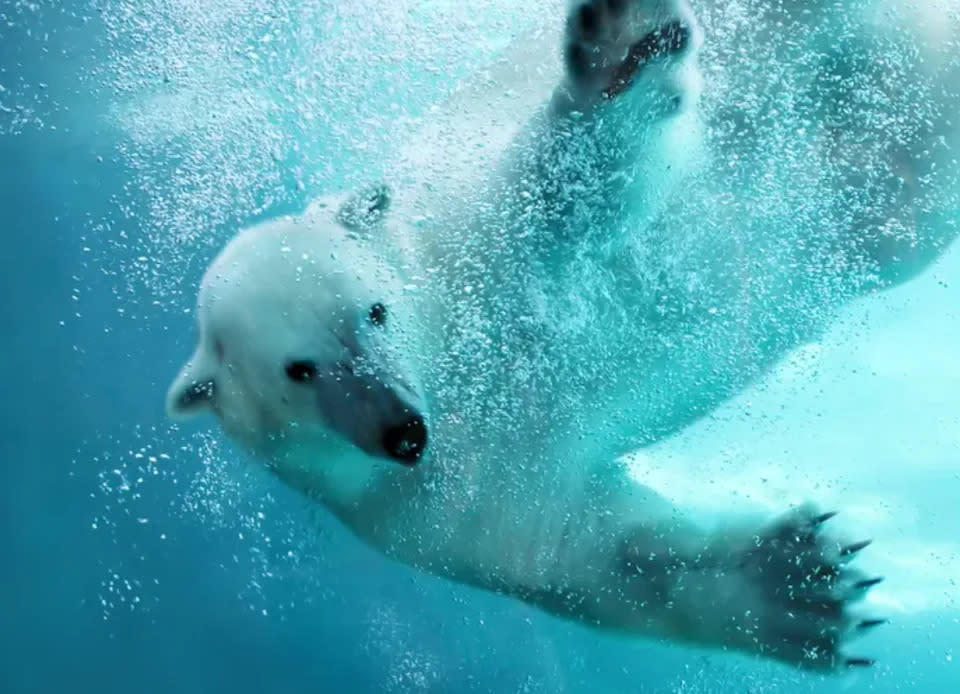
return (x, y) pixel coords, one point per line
(610, 42)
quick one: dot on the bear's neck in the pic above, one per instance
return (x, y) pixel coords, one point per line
(344, 480)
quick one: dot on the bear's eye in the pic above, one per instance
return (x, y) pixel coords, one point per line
(378, 314)
(301, 371)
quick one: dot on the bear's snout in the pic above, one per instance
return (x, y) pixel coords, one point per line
(406, 442)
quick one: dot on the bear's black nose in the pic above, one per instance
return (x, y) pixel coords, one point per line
(405, 443)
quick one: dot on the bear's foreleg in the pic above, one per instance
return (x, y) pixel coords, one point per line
(605, 144)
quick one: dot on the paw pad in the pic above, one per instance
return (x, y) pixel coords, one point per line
(609, 42)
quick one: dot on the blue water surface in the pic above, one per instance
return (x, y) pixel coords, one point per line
(137, 557)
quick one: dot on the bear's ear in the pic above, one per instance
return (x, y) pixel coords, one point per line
(365, 209)
(192, 391)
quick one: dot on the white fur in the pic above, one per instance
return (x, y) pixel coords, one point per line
(546, 316)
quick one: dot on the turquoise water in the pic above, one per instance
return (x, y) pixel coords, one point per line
(134, 139)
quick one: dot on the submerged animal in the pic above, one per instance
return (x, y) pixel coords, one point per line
(455, 361)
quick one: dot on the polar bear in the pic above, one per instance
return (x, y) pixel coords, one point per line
(456, 367)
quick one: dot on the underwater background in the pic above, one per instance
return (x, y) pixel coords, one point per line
(135, 138)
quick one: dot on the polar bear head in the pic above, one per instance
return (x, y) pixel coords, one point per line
(302, 340)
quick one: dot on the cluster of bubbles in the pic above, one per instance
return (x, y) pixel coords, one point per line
(409, 667)
(149, 493)
(231, 111)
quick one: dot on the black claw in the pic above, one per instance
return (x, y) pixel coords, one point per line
(854, 548)
(868, 583)
(871, 623)
(861, 662)
(823, 518)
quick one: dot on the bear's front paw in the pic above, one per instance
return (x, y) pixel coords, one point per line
(802, 589)
(609, 42)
